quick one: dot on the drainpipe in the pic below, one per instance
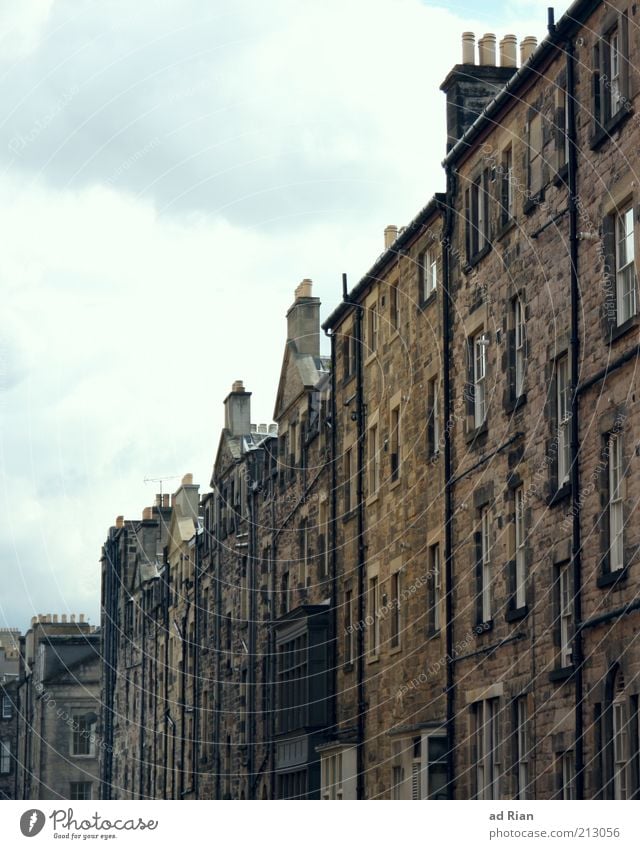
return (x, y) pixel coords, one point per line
(333, 705)
(272, 645)
(143, 695)
(576, 544)
(218, 651)
(196, 650)
(253, 598)
(360, 788)
(448, 480)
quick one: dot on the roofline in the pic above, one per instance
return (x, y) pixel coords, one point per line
(411, 231)
(568, 24)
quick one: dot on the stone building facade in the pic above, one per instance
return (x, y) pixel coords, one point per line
(58, 703)
(9, 670)
(420, 583)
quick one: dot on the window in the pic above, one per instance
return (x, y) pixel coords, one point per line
(349, 353)
(397, 780)
(478, 216)
(616, 519)
(373, 619)
(563, 404)
(395, 443)
(522, 747)
(244, 590)
(373, 461)
(349, 634)
(519, 346)
(534, 154)
(485, 566)
(613, 50)
(620, 738)
(7, 707)
(5, 757)
(393, 307)
(626, 305)
(285, 593)
(520, 537)
(566, 616)
(82, 738)
(323, 540)
(435, 586)
(303, 576)
(372, 328)
(428, 272)
(349, 482)
(479, 345)
(433, 422)
(293, 683)
(506, 188)
(567, 774)
(395, 610)
(485, 749)
(80, 790)
(332, 776)
(610, 75)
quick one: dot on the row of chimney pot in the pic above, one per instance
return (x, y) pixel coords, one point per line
(54, 619)
(487, 50)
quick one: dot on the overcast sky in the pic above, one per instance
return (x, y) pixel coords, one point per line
(169, 172)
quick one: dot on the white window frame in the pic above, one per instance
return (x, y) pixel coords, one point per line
(566, 616)
(485, 563)
(568, 774)
(522, 740)
(563, 403)
(626, 283)
(616, 512)
(613, 42)
(434, 412)
(373, 460)
(350, 502)
(395, 440)
(395, 639)
(429, 272)
(520, 540)
(520, 346)
(332, 776)
(7, 708)
(76, 728)
(479, 345)
(349, 643)
(507, 178)
(487, 741)
(88, 784)
(372, 328)
(436, 576)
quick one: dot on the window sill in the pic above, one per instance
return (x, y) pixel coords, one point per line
(371, 358)
(434, 456)
(483, 627)
(621, 330)
(430, 299)
(562, 674)
(513, 405)
(479, 256)
(373, 658)
(505, 228)
(395, 484)
(371, 499)
(477, 432)
(603, 133)
(395, 650)
(609, 579)
(559, 495)
(432, 634)
(395, 334)
(516, 614)
(349, 516)
(533, 203)
(560, 180)
(346, 380)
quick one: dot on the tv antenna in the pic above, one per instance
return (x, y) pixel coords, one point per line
(159, 480)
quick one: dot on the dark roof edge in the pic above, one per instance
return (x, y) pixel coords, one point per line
(411, 231)
(569, 23)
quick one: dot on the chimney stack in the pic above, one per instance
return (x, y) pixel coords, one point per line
(119, 521)
(237, 410)
(147, 514)
(390, 235)
(527, 48)
(303, 320)
(470, 88)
